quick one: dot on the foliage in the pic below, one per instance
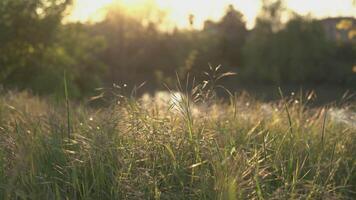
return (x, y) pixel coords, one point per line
(37, 48)
(28, 29)
(298, 53)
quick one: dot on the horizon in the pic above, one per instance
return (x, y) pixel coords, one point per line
(177, 12)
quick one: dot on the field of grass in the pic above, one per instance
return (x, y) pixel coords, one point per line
(146, 148)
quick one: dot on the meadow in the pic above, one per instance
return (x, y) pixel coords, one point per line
(64, 138)
(187, 145)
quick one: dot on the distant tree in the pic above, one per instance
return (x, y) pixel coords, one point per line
(139, 51)
(298, 53)
(271, 14)
(305, 52)
(27, 29)
(232, 34)
(36, 49)
(260, 52)
(222, 42)
(77, 51)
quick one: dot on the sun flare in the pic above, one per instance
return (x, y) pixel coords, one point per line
(177, 11)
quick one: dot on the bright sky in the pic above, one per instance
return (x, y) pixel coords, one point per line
(178, 10)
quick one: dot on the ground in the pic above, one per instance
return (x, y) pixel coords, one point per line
(158, 148)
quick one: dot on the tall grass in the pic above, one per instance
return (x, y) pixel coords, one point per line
(140, 150)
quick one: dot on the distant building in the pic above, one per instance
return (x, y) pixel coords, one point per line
(340, 28)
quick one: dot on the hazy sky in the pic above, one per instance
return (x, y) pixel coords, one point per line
(178, 10)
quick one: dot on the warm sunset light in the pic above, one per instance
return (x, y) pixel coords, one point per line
(177, 99)
(179, 10)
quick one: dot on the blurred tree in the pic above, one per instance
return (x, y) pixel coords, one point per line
(299, 53)
(259, 55)
(218, 43)
(131, 47)
(36, 49)
(27, 28)
(77, 51)
(272, 13)
(296, 53)
(138, 51)
(305, 52)
(224, 40)
(232, 30)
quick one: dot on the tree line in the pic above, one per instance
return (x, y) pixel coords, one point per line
(37, 48)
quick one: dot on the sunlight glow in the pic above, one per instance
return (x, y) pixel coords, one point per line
(177, 11)
(86, 10)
